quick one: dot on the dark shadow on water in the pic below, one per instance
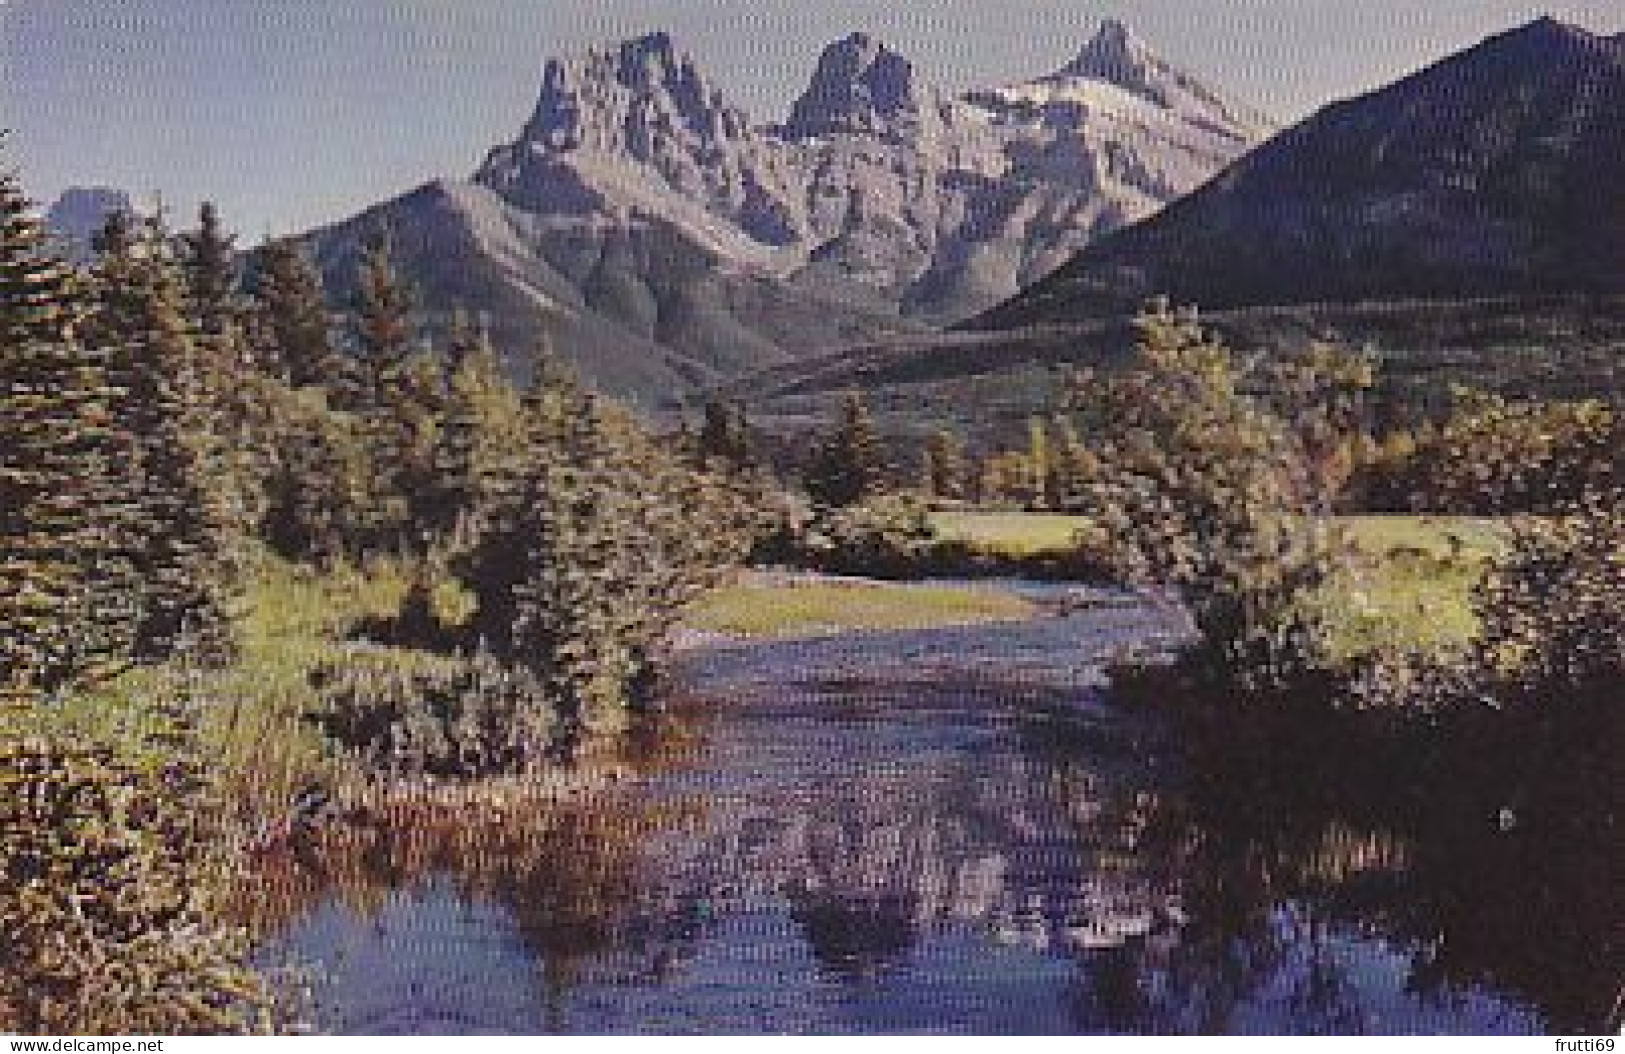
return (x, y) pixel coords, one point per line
(855, 938)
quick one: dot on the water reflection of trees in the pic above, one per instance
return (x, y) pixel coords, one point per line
(1191, 902)
(569, 859)
(1292, 890)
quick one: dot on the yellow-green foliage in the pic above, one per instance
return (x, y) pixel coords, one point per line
(300, 621)
(456, 718)
(1207, 489)
(1553, 608)
(1548, 637)
(1495, 457)
(767, 606)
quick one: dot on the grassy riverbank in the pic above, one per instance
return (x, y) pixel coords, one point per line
(1413, 580)
(1414, 588)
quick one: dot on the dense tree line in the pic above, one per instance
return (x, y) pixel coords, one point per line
(1491, 456)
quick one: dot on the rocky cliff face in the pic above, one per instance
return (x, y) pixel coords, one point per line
(642, 200)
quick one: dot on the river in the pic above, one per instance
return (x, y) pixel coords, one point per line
(949, 831)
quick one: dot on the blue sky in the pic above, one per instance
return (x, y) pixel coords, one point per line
(295, 112)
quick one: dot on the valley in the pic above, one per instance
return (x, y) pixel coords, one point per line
(1065, 555)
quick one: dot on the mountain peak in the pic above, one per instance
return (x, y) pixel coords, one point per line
(1545, 42)
(859, 85)
(582, 99)
(79, 213)
(1549, 26)
(658, 42)
(1113, 54)
(1468, 178)
(648, 57)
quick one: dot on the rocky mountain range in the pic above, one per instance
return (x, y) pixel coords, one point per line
(79, 213)
(663, 239)
(1495, 172)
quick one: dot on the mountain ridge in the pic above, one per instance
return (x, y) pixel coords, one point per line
(639, 194)
(1471, 177)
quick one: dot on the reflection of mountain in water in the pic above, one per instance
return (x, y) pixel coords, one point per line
(897, 842)
(827, 854)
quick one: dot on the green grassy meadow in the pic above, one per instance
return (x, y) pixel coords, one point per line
(1413, 581)
(1412, 585)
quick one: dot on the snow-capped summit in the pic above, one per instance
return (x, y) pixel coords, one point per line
(1113, 53)
(1117, 58)
(1474, 177)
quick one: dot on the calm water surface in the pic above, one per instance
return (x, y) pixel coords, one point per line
(945, 831)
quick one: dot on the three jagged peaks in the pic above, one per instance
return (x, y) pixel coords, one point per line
(930, 204)
(859, 85)
(642, 214)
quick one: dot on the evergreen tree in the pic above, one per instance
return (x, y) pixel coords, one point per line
(320, 483)
(67, 601)
(591, 539)
(725, 436)
(1039, 463)
(231, 396)
(384, 329)
(464, 341)
(293, 335)
(166, 414)
(209, 261)
(944, 469)
(1074, 469)
(849, 464)
(480, 427)
(397, 393)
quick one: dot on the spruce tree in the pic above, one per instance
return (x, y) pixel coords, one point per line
(479, 427)
(209, 261)
(396, 393)
(724, 439)
(67, 601)
(1040, 465)
(293, 335)
(1074, 469)
(592, 538)
(229, 389)
(166, 414)
(944, 465)
(383, 321)
(849, 464)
